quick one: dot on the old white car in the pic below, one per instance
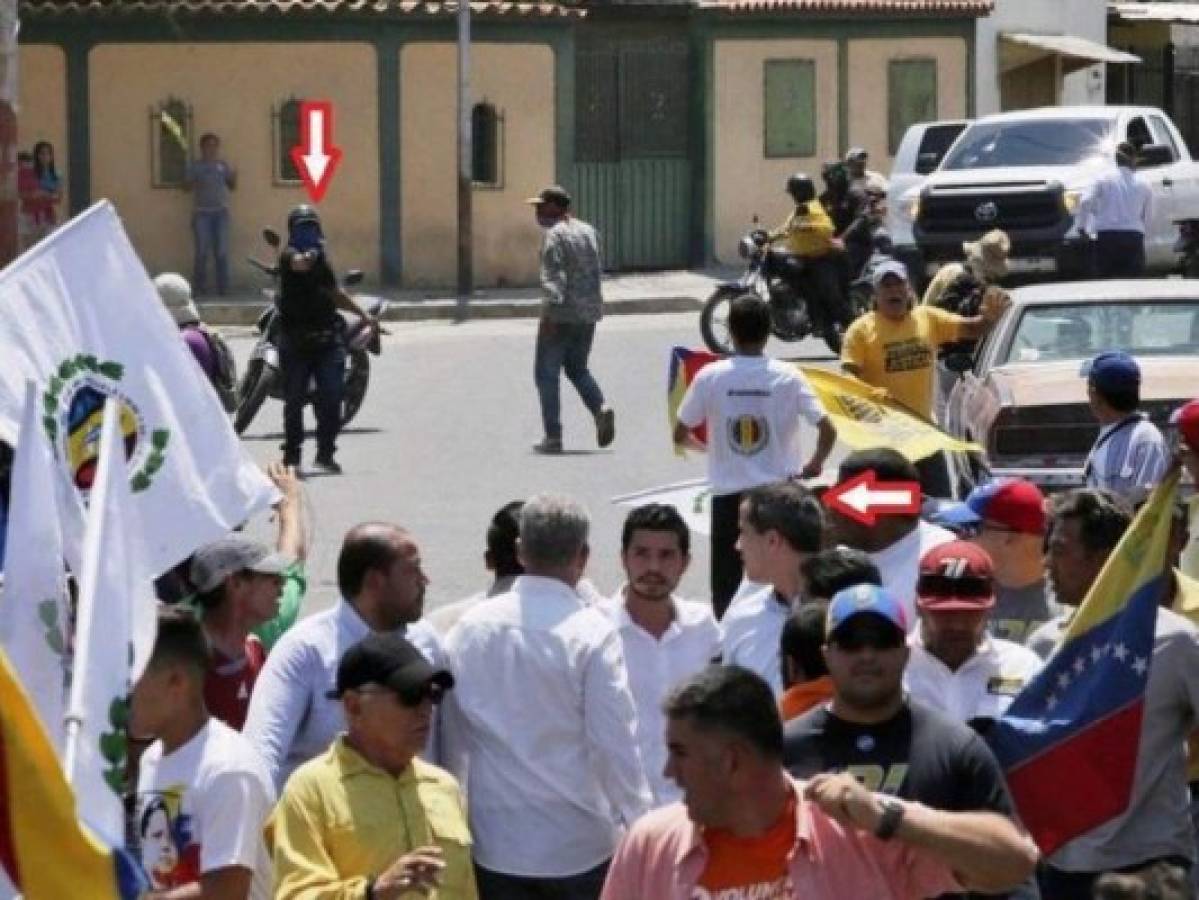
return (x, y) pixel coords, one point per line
(1025, 399)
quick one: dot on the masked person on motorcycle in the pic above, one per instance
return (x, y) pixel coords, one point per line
(312, 338)
(814, 255)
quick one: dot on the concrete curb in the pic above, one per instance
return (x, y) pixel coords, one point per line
(246, 312)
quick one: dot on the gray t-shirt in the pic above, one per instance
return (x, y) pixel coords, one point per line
(1020, 611)
(1157, 822)
(210, 185)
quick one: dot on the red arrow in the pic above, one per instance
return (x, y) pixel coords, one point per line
(316, 158)
(864, 498)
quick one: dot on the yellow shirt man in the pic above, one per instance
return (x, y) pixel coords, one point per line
(808, 230)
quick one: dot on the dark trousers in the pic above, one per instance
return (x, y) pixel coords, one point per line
(1120, 254)
(564, 346)
(326, 364)
(726, 561)
(210, 231)
(498, 886)
(935, 480)
(1056, 884)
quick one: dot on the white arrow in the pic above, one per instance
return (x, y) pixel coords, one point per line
(862, 498)
(316, 159)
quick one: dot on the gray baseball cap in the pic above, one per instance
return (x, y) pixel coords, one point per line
(215, 562)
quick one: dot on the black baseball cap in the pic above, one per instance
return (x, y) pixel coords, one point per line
(555, 193)
(391, 661)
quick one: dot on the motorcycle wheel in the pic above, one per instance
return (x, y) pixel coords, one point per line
(255, 387)
(358, 376)
(714, 320)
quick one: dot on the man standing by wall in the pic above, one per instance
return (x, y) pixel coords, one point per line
(210, 179)
(572, 304)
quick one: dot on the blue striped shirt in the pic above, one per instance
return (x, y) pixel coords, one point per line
(1127, 459)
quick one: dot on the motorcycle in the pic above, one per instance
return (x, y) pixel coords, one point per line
(263, 372)
(1188, 246)
(793, 317)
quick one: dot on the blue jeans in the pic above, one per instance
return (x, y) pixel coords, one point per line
(563, 346)
(211, 232)
(326, 364)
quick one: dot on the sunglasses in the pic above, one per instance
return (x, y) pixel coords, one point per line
(945, 586)
(854, 641)
(412, 696)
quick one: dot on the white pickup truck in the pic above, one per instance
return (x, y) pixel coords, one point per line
(1027, 172)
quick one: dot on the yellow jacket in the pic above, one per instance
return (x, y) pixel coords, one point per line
(808, 231)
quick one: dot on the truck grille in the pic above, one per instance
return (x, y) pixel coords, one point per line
(1014, 212)
(1059, 432)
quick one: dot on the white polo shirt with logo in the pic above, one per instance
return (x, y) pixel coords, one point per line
(982, 687)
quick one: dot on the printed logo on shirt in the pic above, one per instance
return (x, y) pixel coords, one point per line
(1005, 687)
(875, 778)
(170, 853)
(907, 356)
(748, 434)
(766, 890)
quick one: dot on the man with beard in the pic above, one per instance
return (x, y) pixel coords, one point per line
(665, 638)
(872, 731)
(292, 718)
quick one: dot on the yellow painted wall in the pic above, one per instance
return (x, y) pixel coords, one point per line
(746, 182)
(43, 112)
(232, 89)
(868, 64)
(519, 81)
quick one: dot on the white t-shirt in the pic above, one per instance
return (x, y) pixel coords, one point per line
(752, 406)
(899, 564)
(202, 808)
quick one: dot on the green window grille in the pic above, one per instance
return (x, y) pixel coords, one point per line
(911, 96)
(486, 145)
(790, 113)
(286, 122)
(170, 142)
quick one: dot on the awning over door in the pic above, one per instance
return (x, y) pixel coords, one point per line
(1016, 50)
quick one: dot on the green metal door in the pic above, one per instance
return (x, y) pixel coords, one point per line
(632, 174)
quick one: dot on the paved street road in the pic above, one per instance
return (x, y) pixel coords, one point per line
(445, 439)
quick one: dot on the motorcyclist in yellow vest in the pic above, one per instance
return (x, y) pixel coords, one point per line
(808, 238)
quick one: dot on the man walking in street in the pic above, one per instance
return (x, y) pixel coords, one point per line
(1116, 210)
(752, 406)
(210, 179)
(572, 303)
(665, 638)
(1129, 457)
(291, 717)
(746, 829)
(541, 726)
(367, 818)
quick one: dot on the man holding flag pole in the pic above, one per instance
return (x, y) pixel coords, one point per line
(1094, 747)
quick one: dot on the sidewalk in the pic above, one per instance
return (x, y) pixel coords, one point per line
(624, 294)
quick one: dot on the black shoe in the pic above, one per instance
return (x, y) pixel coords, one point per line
(549, 447)
(327, 464)
(605, 427)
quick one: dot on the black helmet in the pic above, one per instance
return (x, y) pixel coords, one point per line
(302, 213)
(801, 189)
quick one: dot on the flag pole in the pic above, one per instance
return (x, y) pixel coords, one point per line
(88, 575)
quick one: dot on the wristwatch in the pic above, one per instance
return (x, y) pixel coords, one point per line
(891, 819)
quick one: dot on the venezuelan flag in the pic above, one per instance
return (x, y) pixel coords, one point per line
(47, 853)
(684, 366)
(1069, 741)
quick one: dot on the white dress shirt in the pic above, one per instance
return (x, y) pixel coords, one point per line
(655, 666)
(982, 687)
(753, 630)
(292, 718)
(1120, 200)
(540, 729)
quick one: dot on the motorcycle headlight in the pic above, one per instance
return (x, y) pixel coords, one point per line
(1072, 200)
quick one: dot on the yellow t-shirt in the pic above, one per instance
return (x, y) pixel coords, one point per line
(899, 356)
(808, 233)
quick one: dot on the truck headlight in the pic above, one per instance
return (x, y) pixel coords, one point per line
(1072, 200)
(910, 207)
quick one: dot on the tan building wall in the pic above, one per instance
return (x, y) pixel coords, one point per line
(42, 115)
(868, 64)
(232, 89)
(746, 183)
(518, 79)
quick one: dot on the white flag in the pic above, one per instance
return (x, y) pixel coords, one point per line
(80, 316)
(34, 616)
(117, 621)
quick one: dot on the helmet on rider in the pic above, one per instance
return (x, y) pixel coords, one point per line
(304, 228)
(801, 189)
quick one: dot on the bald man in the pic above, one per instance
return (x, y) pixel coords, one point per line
(292, 716)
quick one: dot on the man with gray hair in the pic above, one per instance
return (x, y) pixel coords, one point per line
(540, 728)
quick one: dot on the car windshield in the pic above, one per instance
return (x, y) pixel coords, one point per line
(1036, 142)
(1081, 330)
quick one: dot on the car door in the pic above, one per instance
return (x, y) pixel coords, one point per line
(1160, 231)
(1185, 172)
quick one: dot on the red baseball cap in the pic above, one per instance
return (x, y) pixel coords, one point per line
(1186, 417)
(958, 575)
(1015, 503)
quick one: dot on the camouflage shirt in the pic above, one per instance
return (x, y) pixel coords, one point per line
(570, 273)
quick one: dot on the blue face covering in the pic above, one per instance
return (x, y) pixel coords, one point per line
(306, 236)
(546, 221)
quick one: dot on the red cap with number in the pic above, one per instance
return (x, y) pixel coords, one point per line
(958, 575)
(1186, 417)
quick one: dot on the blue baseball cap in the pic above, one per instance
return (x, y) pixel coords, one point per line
(864, 599)
(889, 267)
(1112, 371)
(1015, 503)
